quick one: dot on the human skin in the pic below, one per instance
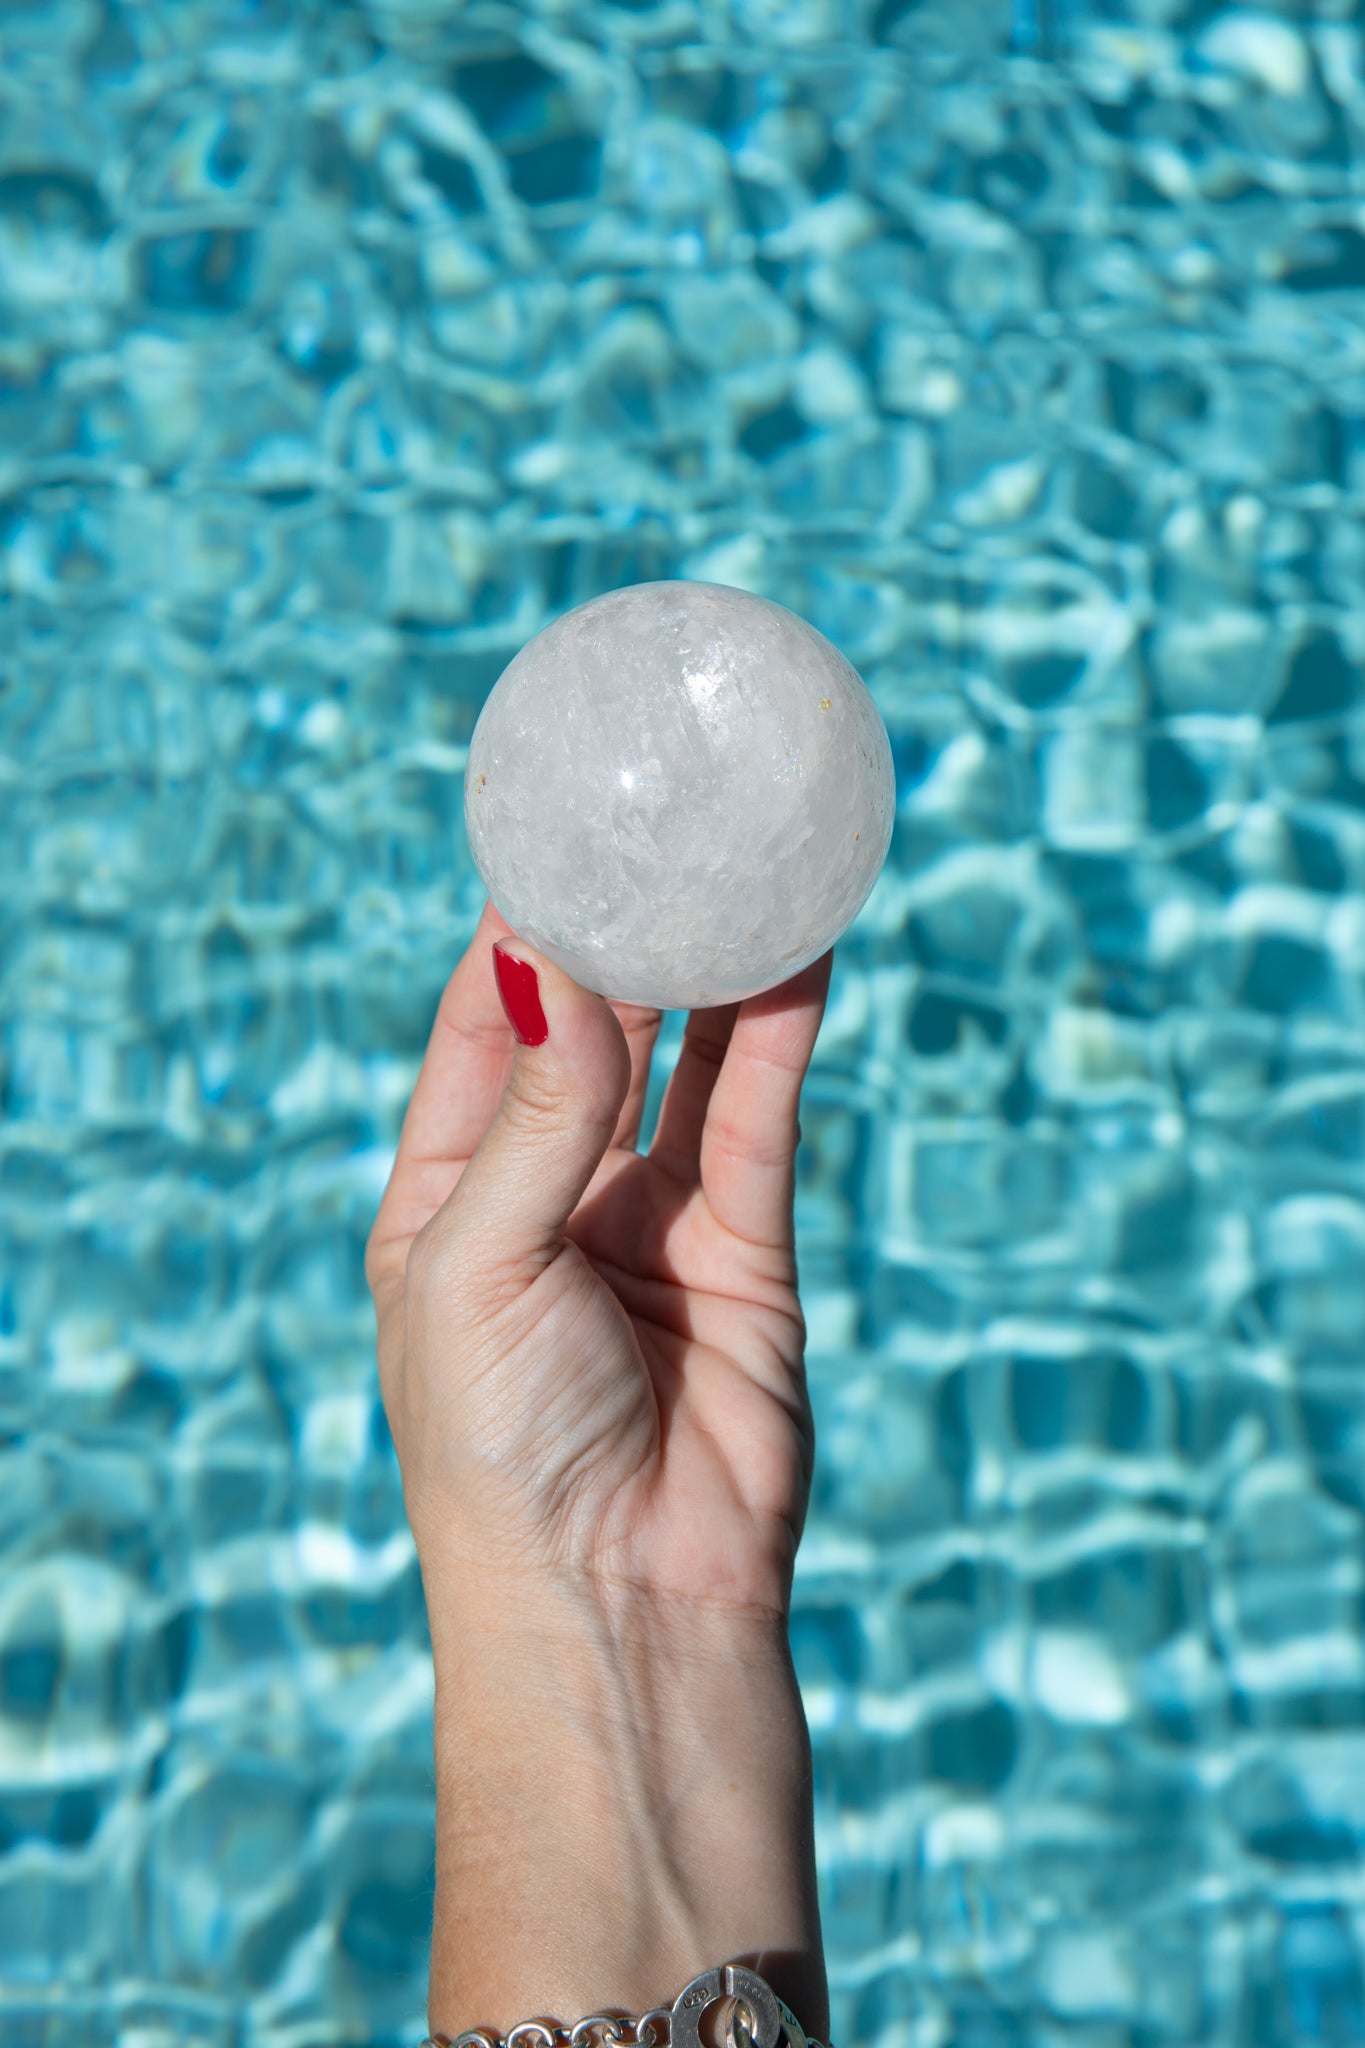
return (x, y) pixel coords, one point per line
(592, 1362)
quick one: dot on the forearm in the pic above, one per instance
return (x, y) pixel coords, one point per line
(622, 1802)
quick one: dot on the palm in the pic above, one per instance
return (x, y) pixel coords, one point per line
(650, 1425)
(700, 1483)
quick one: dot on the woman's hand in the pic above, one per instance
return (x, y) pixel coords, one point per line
(592, 1361)
(592, 1364)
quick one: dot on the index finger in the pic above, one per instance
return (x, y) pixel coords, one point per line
(463, 1074)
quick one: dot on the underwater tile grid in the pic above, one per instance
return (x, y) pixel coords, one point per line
(1022, 349)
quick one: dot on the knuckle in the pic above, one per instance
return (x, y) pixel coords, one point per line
(423, 1257)
(530, 1096)
(438, 1268)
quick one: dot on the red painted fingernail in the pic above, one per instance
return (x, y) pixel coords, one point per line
(519, 989)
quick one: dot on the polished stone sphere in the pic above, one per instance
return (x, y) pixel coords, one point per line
(680, 793)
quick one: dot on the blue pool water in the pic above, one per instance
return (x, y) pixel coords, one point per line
(1022, 349)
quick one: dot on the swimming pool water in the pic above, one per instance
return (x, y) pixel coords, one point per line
(1020, 348)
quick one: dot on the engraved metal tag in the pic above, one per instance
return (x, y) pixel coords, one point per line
(727, 1981)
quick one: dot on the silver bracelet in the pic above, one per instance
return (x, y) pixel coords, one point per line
(770, 2024)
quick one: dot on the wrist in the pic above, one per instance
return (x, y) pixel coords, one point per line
(624, 1799)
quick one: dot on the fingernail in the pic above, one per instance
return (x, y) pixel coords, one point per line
(519, 989)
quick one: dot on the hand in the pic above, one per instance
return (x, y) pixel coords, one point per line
(592, 1361)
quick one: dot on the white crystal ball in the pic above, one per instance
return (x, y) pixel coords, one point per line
(680, 793)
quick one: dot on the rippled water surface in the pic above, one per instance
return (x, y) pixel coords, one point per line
(1021, 349)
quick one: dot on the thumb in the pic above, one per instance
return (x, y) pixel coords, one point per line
(570, 1076)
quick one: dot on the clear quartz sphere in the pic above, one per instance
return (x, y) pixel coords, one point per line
(680, 793)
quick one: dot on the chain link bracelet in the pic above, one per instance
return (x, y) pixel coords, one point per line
(770, 2023)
